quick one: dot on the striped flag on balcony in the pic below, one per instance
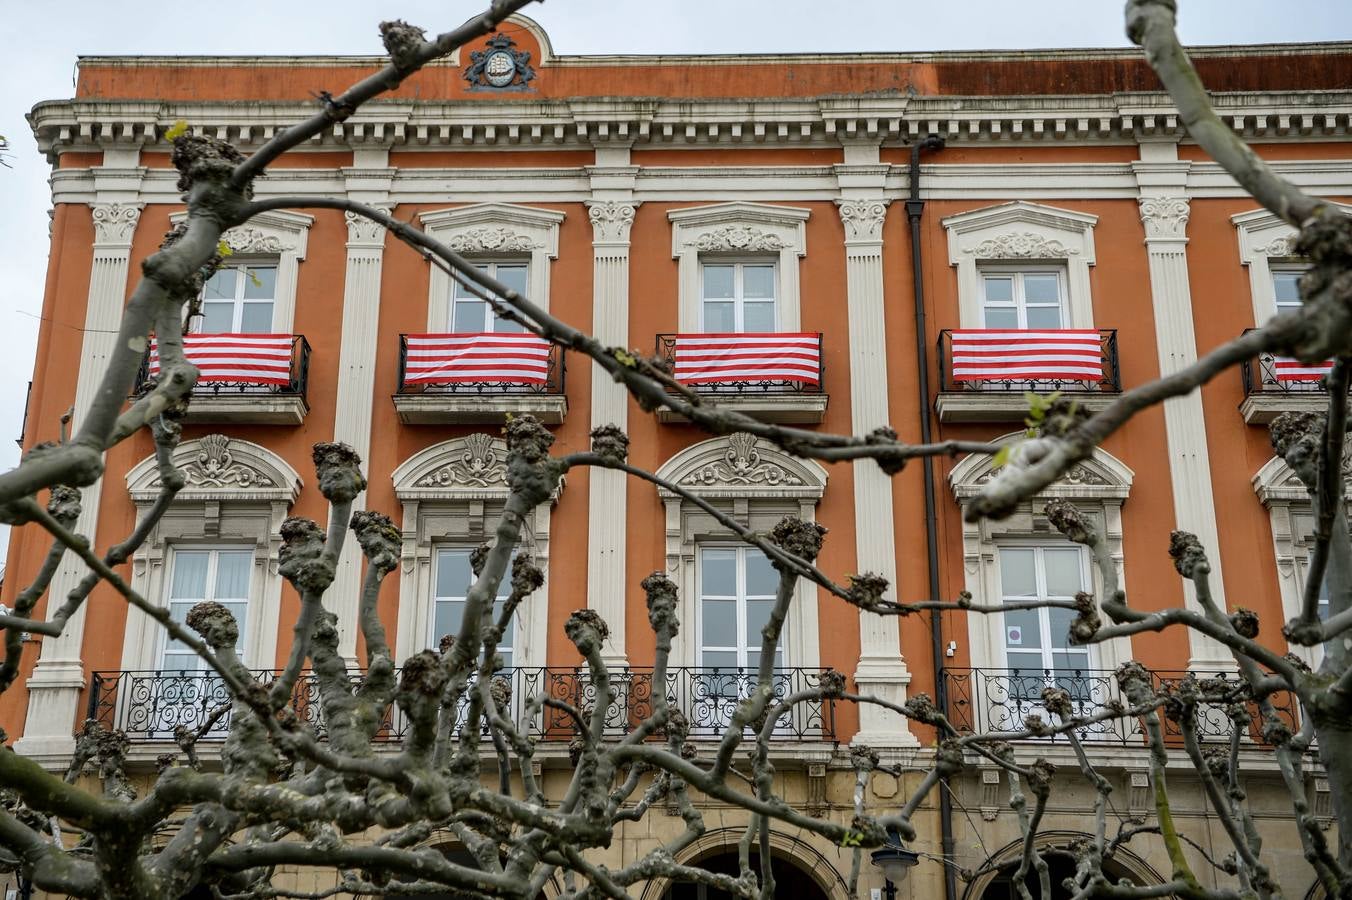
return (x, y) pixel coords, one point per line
(755, 356)
(1295, 370)
(989, 354)
(237, 358)
(457, 358)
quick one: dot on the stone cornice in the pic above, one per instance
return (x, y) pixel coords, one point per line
(86, 124)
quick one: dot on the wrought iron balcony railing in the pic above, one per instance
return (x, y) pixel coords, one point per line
(500, 364)
(983, 701)
(151, 705)
(761, 363)
(1032, 357)
(218, 377)
(1268, 374)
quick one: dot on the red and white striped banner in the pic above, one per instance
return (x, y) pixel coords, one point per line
(756, 356)
(240, 358)
(988, 354)
(457, 358)
(1294, 370)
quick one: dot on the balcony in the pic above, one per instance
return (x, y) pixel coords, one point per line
(983, 701)
(476, 379)
(1274, 385)
(985, 373)
(257, 379)
(150, 705)
(774, 377)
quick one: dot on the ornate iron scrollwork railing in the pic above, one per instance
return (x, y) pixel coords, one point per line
(1110, 381)
(297, 384)
(995, 701)
(151, 705)
(553, 382)
(666, 351)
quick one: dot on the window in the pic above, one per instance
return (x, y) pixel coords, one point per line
(1036, 640)
(200, 576)
(239, 300)
(737, 594)
(738, 296)
(473, 315)
(453, 579)
(1286, 288)
(1023, 299)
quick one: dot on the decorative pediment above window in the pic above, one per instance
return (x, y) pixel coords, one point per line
(1277, 481)
(217, 467)
(741, 465)
(468, 468)
(1103, 477)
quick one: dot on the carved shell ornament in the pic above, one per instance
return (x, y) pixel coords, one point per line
(1076, 475)
(736, 238)
(1021, 245)
(742, 465)
(247, 239)
(487, 239)
(215, 466)
(478, 465)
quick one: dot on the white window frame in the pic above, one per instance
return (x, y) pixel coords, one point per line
(1276, 269)
(492, 231)
(240, 497)
(491, 263)
(1044, 617)
(1098, 487)
(1020, 301)
(1021, 233)
(504, 588)
(1291, 515)
(740, 231)
(241, 268)
(452, 495)
(213, 551)
(738, 264)
(758, 485)
(273, 237)
(745, 641)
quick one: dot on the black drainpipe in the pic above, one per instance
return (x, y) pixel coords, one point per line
(915, 208)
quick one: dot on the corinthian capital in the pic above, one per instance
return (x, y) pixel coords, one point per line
(611, 220)
(362, 232)
(863, 219)
(1165, 218)
(114, 223)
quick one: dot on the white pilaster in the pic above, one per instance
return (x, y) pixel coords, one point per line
(55, 686)
(607, 525)
(882, 671)
(1164, 213)
(356, 384)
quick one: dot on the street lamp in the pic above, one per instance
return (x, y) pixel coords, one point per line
(895, 862)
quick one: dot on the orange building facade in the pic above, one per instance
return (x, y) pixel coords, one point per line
(1067, 231)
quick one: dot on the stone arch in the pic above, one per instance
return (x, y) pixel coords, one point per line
(787, 848)
(452, 492)
(1126, 862)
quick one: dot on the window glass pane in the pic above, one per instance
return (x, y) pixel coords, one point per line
(1070, 660)
(1058, 621)
(1324, 598)
(240, 610)
(257, 318)
(446, 619)
(460, 290)
(718, 623)
(1028, 672)
(1063, 572)
(758, 282)
(761, 578)
(718, 659)
(221, 286)
(1041, 288)
(1286, 285)
(1002, 317)
(718, 573)
(758, 317)
(218, 318)
(757, 614)
(454, 575)
(514, 276)
(719, 317)
(468, 316)
(999, 290)
(190, 575)
(753, 658)
(1016, 572)
(1022, 631)
(232, 575)
(1044, 317)
(506, 641)
(507, 326)
(718, 281)
(260, 283)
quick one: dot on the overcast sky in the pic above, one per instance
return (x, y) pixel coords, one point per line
(42, 42)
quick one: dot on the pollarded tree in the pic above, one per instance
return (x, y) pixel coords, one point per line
(289, 795)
